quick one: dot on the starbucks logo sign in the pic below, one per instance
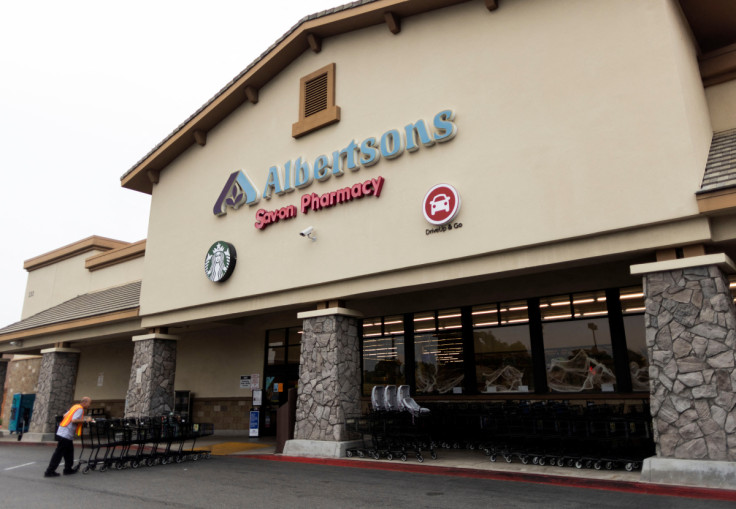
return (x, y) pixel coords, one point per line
(219, 263)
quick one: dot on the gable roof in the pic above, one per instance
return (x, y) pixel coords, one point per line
(704, 16)
(306, 34)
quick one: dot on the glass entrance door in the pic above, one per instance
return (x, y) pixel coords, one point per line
(281, 372)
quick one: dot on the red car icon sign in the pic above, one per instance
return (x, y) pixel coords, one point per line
(440, 202)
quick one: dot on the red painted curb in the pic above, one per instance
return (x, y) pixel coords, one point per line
(555, 480)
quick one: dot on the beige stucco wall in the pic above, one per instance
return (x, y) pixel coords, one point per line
(104, 370)
(215, 371)
(722, 105)
(56, 283)
(574, 118)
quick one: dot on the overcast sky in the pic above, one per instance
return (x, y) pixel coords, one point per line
(87, 88)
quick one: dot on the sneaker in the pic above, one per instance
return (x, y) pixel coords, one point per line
(70, 472)
(51, 474)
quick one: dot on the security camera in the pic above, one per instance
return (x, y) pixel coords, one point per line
(308, 232)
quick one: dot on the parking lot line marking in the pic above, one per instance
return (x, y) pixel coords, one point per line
(19, 466)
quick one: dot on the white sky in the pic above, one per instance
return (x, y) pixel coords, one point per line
(87, 88)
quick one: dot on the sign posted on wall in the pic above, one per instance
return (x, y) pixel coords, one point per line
(254, 419)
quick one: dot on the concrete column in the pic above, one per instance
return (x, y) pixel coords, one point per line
(151, 386)
(54, 391)
(329, 382)
(691, 339)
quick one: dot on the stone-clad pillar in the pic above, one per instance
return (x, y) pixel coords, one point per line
(3, 376)
(151, 385)
(691, 339)
(55, 388)
(329, 382)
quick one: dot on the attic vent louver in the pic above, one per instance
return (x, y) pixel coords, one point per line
(316, 102)
(315, 95)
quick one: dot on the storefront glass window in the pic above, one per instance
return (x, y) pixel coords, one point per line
(284, 346)
(438, 352)
(586, 305)
(383, 352)
(632, 307)
(555, 308)
(295, 345)
(578, 352)
(503, 356)
(276, 339)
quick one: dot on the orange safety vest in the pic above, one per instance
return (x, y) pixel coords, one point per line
(69, 415)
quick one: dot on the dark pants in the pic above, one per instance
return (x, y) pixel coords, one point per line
(64, 449)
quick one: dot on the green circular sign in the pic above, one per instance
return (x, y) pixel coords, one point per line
(219, 263)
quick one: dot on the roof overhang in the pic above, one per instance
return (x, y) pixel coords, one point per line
(93, 243)
(115, 256)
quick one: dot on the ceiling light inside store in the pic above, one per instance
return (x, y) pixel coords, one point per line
(552, 317)
(632, 296)
(488, 312)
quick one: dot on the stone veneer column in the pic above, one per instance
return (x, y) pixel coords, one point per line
(3, 375)
(691, 339)
(151, 385)
(329, 382)
(57, 379)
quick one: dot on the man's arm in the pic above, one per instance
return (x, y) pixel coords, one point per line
(79, 417)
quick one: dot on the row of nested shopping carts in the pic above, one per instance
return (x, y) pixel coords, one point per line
(396, 426)
(133, 442)
(556, 433)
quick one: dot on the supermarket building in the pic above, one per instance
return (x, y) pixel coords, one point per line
(522, 199)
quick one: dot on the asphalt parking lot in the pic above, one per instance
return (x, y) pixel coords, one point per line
(235, 481)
